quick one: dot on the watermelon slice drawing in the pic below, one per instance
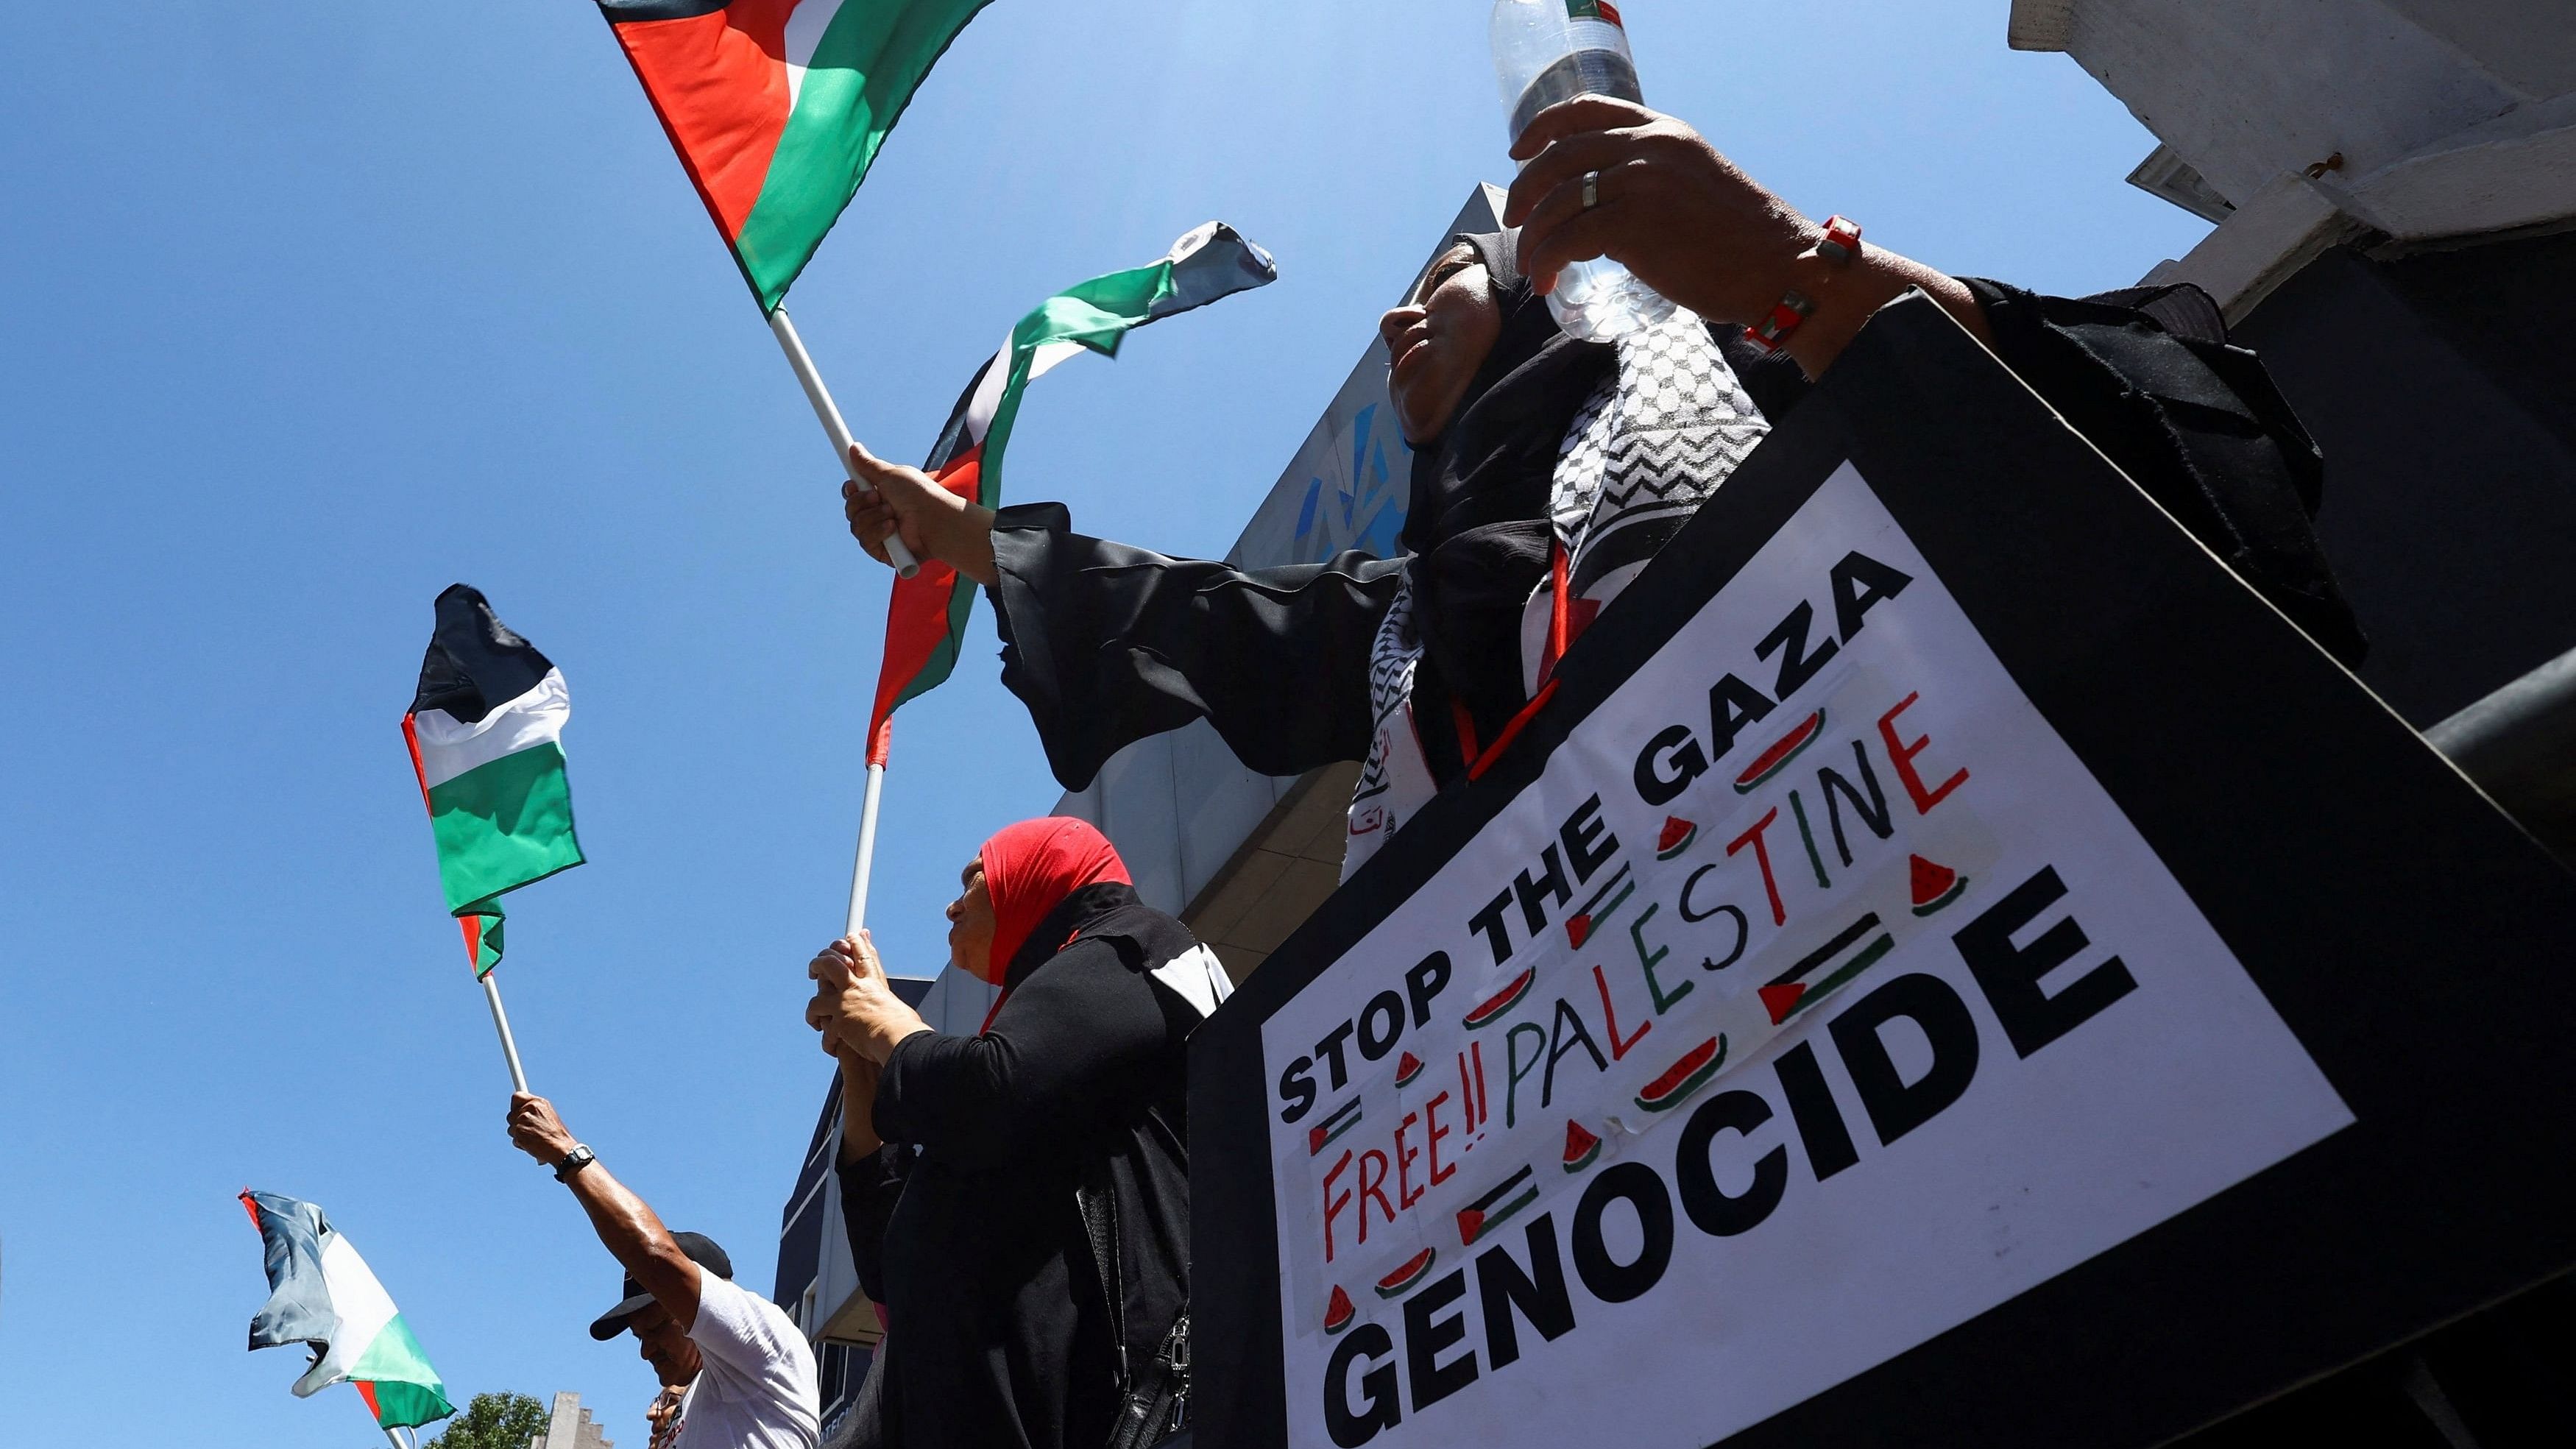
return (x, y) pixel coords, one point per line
(1338, 1312)
(1775, 759)
(1582, 1148)
(1407, 1068)
(1676, 838)
(1685, 1076)
(1404, 1279)
(1499, 1005)
(1935, 885)
(1508, 1197)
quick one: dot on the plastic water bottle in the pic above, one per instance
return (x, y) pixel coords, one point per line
(1546, 51)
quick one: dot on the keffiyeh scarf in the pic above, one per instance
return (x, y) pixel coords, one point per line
(1650, 444)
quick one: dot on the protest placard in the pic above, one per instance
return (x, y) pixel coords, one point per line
(1951, 964)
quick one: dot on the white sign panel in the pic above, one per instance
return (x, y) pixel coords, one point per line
(1815, 1000)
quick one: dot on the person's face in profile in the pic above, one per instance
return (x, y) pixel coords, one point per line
(663, 1344)
(970, 921)
(1436, 343)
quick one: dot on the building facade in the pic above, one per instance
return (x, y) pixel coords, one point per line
(569, 1427)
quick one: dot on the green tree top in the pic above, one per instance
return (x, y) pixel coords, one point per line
(494, 1421)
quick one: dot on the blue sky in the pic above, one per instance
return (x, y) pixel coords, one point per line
(311, 309)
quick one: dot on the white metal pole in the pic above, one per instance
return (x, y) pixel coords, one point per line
(866, 865)
(830, 414)
(396, 1436)
(501, 1024)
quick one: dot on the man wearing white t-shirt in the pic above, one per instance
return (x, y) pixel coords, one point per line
(742, 1375)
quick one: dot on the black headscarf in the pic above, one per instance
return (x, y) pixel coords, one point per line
(1478, 522)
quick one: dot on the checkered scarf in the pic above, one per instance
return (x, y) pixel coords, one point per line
(1647, 448)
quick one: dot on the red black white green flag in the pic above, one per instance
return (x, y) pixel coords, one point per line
(926, 619)
(323, 1297)
(485, 729)
(777, 107)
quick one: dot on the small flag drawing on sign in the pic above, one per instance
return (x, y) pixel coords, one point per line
(1323, 1134)
(1793, 990)
(1508, 1197)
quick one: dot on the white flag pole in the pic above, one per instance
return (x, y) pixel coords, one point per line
(501, 1024)
(829, 413)
(867, 860)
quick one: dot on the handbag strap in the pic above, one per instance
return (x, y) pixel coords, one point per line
(1098, 1200)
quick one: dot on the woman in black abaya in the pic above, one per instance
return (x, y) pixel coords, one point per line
(1547, 472)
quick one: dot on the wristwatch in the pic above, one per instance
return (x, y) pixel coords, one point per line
(574, 1161)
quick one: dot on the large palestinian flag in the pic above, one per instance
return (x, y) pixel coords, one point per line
(322, 1295)
(485, 730)
(926, 619)
(778, 106)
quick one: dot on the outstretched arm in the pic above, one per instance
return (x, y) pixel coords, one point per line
(626, 1225)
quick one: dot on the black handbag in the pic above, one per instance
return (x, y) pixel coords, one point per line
(1154, 1401)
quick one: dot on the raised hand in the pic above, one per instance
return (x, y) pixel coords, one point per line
(936, 522)
(537, 1131)
(854, 1005)
(1687, 221)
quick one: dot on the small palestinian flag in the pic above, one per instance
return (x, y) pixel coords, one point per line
(485, 730)
(1325, 1133)
(321, 1295)
(1508, 1197)
(926, 618)
(777, 107)
(1826, 967)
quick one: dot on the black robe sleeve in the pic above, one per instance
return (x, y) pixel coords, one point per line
(2148, 378)
(870, 1187)
(1108, 644)
(1073, 1043)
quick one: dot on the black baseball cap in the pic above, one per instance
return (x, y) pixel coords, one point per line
(702, 1250)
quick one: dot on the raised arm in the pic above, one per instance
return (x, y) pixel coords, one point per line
(626, 1225)
(2146, 375)
(1664, 203)
(1107, 644)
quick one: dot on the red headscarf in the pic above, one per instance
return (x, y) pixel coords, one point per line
(1030, 868)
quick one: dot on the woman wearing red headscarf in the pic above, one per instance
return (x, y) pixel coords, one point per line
(978, 1172)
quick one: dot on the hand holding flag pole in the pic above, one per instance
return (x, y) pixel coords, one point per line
(926, 617)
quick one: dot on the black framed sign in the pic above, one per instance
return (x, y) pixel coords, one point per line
(1952, 966)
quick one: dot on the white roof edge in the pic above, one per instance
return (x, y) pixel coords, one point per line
(2497, 186)
(2278, 230)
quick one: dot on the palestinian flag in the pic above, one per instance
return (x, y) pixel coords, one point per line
(485, 731)
(926, 619)
(321, 1295)
(777, 107)
(1826, 967)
